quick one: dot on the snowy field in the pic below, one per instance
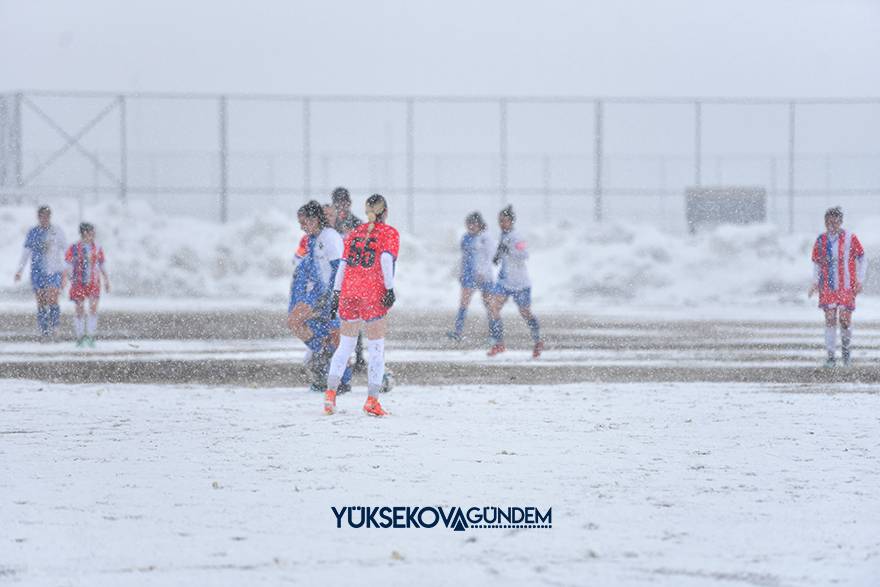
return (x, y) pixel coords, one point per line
(649, 484)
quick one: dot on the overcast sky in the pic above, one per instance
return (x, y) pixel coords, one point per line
(625, 47)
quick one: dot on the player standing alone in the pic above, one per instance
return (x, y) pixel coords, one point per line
(363, 293)
(85, 264)
(44, 245)
(839, 269)
(513, 281)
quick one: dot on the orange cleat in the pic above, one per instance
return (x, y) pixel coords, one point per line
(329, 402)
(373, 408)
(496, 349)
(539, 348)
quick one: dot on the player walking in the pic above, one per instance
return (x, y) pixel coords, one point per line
(363, 293)
(317, 261)
(476, 268)
(85, 264)
(513, 281)
(839, 270)
(44, 245)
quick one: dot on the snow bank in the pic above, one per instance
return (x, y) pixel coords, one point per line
(154, 255)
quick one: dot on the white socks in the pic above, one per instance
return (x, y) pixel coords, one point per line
(831, 339)
(845, 337)
(79, 326)
(91, 324)
(376, 366)
(340, 360)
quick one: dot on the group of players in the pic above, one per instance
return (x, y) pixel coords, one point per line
(343, 285)
(53, 264)
(342, 288)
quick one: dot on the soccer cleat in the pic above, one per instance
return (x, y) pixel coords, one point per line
(496, 349)
(831, 362)
(343, 388)
(373, 408)
(90, 340)
(539, 348)
(846, 358)
(329, 402)
(81, 342)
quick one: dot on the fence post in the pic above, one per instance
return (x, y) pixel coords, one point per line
(547, 179)
(307, 148)
(597, 162)
(410, 165)
(16, 140)
(123, 151)
(224, 161)
(791, 127)
(502, 149)
(698, 144)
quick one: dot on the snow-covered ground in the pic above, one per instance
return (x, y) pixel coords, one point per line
(576, 267)
(660, 484)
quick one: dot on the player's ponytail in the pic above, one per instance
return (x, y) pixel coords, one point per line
(376, 210)
(312, 209)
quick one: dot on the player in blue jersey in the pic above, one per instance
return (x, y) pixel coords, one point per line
(476, 272)
(309, 315)
(513, 281)
(45, 246)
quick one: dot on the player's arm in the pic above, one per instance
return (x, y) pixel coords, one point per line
(102, 268)
(386, 260)
(817, 272)
(817, 268)
(25, 255)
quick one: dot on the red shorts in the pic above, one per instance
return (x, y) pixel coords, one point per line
(837, 298)
(80, 292)
(367, 309)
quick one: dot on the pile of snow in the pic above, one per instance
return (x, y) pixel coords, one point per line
(153, 255)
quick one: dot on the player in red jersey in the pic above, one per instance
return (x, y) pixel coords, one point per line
(363, 293)
(85, 264)
(839, 268)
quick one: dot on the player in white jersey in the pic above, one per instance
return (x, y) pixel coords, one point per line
(839, 269)
(309, 311)
(513, 281)
(476, 272)
(44, 246)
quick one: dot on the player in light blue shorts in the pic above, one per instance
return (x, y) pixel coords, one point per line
(513, 282)
(44, 246)
(476, 269)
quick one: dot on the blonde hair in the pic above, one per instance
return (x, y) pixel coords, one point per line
(376, 208)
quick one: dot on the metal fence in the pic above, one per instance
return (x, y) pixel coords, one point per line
(590, 158)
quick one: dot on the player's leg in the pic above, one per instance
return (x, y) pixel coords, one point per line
(348, 332)
(845, 334)
(301, 324)
(54, 282)
(375, 330)
(79, 321)
(496, 326)
(523, 300)
(92, 320)
(830, 334)
(42, 310)
(359, 363)
(464, 302)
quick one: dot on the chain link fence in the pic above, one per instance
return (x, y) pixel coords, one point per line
(438, 157)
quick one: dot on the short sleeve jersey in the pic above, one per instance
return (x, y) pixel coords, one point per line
(361, 253)
(85, 261)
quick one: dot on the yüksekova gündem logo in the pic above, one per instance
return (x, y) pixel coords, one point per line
(455, 518)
